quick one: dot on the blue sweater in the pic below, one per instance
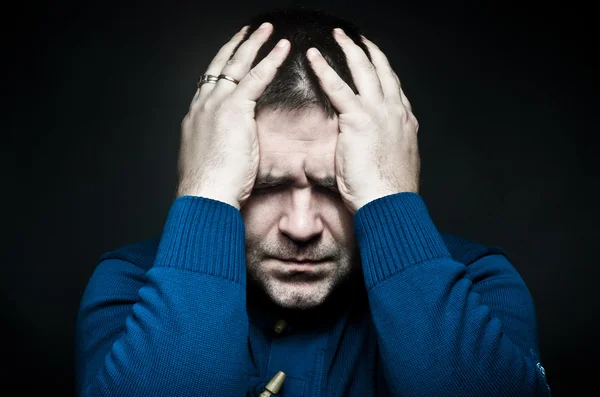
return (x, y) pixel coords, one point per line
(435, 315)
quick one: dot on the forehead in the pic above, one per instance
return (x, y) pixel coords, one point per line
(292, 142)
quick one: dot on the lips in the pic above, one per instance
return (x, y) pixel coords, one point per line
(295, 260)
(303, 265)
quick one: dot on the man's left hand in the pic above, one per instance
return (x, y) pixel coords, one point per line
(377, 149)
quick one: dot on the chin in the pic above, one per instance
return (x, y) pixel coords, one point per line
(298, 295)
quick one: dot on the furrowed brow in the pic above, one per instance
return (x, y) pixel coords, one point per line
(328, 182)
(269, 180)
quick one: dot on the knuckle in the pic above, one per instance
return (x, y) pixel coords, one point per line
(226, 52)
(400, 110)
(233, 62)
(338, 85)
(218, 61)
(206, 106)
(199, 109)
(346, 39)
(256, 74)
(272, 56)
(187, 125)
(413, 120)
(405, 116)
(410, 121)
(412, 116)
(367, 66)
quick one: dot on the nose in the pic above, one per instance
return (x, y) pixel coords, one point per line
(301, 220)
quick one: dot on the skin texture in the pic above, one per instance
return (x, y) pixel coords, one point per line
(377, 151)
(298, 218)
(369, 150)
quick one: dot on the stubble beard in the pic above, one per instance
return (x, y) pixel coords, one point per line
(300, 291)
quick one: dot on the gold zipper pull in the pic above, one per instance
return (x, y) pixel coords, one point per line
(274, 385)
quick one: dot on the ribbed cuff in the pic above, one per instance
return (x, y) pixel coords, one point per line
(206, 236)
(394, 232)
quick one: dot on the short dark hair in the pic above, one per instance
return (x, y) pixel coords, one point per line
(295, 86)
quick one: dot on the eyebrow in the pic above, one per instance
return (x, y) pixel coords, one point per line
(262, 180)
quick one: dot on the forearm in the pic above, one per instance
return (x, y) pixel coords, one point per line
(434, 334)
(186, 333)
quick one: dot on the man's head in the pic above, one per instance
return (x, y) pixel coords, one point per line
(295, 85)
(303, 216)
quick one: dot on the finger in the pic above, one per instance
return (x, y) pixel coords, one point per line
(239, 65)
(364, 73)
(339, 93)
(390, 83)
(218, 63)
(256, 81)
(405, 101)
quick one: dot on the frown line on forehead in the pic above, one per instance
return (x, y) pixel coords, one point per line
(268, 179)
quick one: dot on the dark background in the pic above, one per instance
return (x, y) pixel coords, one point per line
(94, 94)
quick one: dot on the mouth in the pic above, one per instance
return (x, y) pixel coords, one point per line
(303, 265)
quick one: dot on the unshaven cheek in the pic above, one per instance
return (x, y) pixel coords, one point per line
(258, 215)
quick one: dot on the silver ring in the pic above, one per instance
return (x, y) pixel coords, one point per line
(207, 78)
(222, 76)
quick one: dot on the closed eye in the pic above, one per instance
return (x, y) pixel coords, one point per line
(274, 188)
(331, 189)
(265, 189)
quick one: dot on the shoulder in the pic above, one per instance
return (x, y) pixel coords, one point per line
(468, 251)
(119, 273)
(484, 263)
(140, 253)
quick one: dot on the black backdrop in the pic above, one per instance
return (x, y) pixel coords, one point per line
(94, 94)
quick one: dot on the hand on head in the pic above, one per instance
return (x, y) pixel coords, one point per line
(219, 156)
(377, 148)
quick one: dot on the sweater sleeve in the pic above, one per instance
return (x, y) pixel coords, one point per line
(439, 331)
(179, 328)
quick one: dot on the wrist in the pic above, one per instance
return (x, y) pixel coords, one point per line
(232, 203)
(213, 195)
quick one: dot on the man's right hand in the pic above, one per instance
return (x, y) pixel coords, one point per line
(219, 156)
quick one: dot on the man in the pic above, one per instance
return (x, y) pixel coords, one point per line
(298, 257)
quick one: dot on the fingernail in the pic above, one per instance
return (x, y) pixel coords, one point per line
(264, 25)
(339, 31)
(313, 52)
(282, 43)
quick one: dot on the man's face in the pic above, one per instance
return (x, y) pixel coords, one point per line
(298, 218)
